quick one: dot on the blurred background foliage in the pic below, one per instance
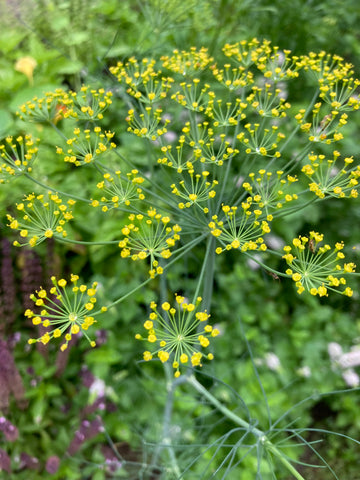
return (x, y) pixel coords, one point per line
(65, 427)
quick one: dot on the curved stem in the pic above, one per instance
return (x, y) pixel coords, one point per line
(244, 424)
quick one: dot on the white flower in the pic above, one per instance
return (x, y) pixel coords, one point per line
(304, 372)
(351, 378)
(97, 388)
(350, 359)
(272, 361)
(335, 351)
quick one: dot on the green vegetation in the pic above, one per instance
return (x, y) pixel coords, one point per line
(178, 282)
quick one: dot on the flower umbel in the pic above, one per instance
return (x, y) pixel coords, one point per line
(67, 310)
(149, 236)
(244, 231)
(196, 190)
(329, 179)
(119, 189)
(86, 146)
(43, 217)
(317, 269)
(179, 332)
(272, 192)
(18, 156)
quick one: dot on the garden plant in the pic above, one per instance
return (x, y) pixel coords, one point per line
(178, 280)
(213, 168)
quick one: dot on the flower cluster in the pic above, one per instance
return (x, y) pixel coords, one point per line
(315, 268)
(148, 124)
(268, 191)
(18, 156)
(42, 110)
(261, 141)
(179, 333)
(64, 309)
(119, 189)
(86, 146)
(244, 232)
(42, 217)
(325, 124)
(144, 83)
(87, 104)
(196, 191)
(149, 236)
(188, 62)
(329, 180)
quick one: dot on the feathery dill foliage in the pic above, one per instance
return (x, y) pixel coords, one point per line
(219, 134)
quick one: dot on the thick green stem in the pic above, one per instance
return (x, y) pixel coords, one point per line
(244, 424)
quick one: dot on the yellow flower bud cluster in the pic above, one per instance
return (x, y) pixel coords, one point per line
(149, 236)
(242, 231)
(188, 62)
(179, 332)
(147, 124)
(43, 216)
(65, 309)
(270, 192)
(317, 269)
(18, 156)
(328, 178)
(43, 109)
(196, 190)
(87, 104)
(119, 190)
(86, 146)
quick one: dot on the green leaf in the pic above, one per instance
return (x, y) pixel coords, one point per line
(6, 122)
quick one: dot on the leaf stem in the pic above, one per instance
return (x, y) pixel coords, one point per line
(246, 425)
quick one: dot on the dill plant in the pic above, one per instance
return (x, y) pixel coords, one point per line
(220, 170)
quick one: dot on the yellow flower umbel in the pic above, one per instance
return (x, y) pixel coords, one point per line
(147, 124)
(18, 156)
(317, 269)
(242, 231)
(179, 333)
(149, 236)
(86, 146)
(43, 109)
(119, 190)
(188, 62)
(268, 191)
(144, 83)
(66, 309)
(329, 179)
(87, 104)
(261, 141)
(42, 217)
(196, 191)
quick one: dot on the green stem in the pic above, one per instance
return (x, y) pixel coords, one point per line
(188, 247)
(43, 185)
(269, 446)
(244, 424)
(83, 242)
(207, 273)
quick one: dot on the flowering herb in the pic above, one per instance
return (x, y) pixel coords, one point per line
(67, 310)
(42, 217)
(179, 333)
(317, 269)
